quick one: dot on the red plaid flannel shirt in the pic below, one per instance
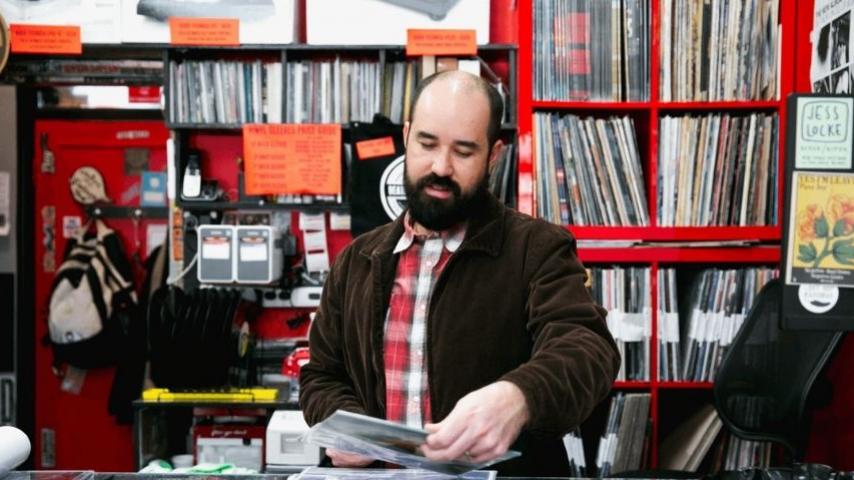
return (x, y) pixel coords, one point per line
(422, 259)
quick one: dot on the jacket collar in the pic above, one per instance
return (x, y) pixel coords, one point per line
(451, 238)
(485, 232)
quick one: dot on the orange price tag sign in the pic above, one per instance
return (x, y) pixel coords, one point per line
(204, 31)
(440, 42)
(378, 147)
(51, 39)
(291, 159)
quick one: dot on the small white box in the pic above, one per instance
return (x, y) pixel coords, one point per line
(384, 22)
(284, 444)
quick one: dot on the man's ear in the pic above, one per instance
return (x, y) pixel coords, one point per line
(405, 133)
(494, 154)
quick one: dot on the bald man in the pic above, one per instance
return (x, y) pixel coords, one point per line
(462, 317)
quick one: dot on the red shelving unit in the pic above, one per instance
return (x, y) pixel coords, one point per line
(676, 233)
(631, 385)
(621, 106)
(685, 385)
(763, 241)
(657, 255)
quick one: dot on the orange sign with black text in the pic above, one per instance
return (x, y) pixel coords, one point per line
(440, 42)
(379, 147)
(204, 31)
(50, 39)
(292, 159)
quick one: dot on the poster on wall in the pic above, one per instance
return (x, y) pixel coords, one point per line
(821, 229)
(261, 21)
(98, 19)
(831, 43)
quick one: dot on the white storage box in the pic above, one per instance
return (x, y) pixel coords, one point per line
(384, 22)
(261, 21)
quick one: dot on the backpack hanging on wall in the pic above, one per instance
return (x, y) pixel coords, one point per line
(91, 300)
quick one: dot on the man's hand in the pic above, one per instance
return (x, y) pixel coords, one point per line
(345, 459)
(481, 427)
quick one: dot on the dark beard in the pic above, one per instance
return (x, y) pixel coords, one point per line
(441, 214)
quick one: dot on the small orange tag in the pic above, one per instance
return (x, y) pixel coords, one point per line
(440, 42)
(50, 39)
(204, 31)
(378, 147)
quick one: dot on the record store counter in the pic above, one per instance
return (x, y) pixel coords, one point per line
(309, 474)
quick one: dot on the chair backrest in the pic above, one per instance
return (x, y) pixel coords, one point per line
(762, 385)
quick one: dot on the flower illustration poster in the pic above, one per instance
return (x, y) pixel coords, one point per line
(821, 229)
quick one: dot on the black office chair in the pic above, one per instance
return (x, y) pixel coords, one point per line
(764, 381)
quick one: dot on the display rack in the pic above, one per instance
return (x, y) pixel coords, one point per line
(763, 248)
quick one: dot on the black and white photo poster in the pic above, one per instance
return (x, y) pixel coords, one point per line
(831, 44)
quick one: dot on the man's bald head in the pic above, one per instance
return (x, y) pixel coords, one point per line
(465, 82)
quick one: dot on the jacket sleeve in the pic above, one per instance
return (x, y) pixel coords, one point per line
(574, 360)
(325, 385)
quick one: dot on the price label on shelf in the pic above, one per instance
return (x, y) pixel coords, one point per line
(440, 42)
(48, 39)
(379, 147)
(204, 31)
(290, 159)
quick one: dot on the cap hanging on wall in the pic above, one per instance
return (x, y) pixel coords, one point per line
(87, 186)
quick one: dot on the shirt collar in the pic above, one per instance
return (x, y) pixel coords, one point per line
(452, 238)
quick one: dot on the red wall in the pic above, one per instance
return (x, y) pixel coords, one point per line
(86, 436)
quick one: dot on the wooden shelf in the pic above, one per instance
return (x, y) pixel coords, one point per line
(631, 385)
(262, 205)
(506, 127)
(713, 106)
(686, 385)
(649, 105)
(644, 254)
(591, 105)
(759, 233)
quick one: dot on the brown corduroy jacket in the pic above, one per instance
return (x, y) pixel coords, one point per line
(509, 305)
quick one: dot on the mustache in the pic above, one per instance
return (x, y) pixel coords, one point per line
(434, 180)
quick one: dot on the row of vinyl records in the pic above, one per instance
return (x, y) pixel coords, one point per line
(718, 303)
(719, 50)
(225, 92)
(591, 50)
(588, 171)
(695, 325)
(315, 91)
(700, 440)
(717, 169)
(710, 50)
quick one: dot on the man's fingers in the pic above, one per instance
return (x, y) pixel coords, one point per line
(457, 448)
(346, 459)
(480, 456)
(447, 431)
(432, 427)
(485, 445)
